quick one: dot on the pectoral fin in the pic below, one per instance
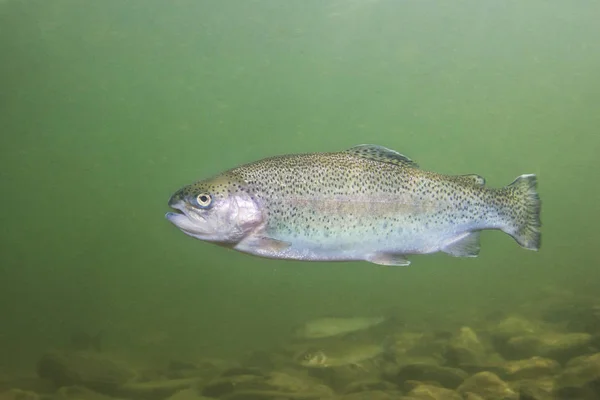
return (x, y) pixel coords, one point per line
(268, 243)
(388, 259)
(263, 245)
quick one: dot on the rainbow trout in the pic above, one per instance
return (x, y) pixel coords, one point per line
(353, 354)
(366, 203)
(335, 326)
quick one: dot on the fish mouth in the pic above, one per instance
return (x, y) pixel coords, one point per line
(190, 223)
(175, 216)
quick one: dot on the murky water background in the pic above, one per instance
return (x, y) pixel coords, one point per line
(107, 107)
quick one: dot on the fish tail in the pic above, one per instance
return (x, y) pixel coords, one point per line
(524, 214)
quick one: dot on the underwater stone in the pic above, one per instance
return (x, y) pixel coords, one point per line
(532, 368)
(227, 385)
(538, 389)
(563, 347)
(82, 368)
(473, 396)
(431, 392)
(489, 386)
(155, 390)
(261, 360)
(339, 378)
(80, 393)
(465, 348)
(27, 384)
(273, 385)
(177, 369)
(559, 346)
(369, 385)
(241, 371)
(580, 377)
(515, 326)
(576, 315)
(374, 395)
(448, 377)
(188, 394)
(17, 394)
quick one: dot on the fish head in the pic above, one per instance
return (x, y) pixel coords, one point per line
(315, 358)
(221, 209)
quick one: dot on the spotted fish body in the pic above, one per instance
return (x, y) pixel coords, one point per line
(365, 203)
(354, 354)
(325, 327)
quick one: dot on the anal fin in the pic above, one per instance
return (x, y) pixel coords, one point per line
(465, 245)
(388, 259)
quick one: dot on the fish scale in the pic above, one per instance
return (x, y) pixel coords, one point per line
(365, 203)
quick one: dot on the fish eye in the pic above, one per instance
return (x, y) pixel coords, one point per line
(314, 356)
(204, 200)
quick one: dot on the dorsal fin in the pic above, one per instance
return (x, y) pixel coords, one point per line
(473, 178)
(382, 154)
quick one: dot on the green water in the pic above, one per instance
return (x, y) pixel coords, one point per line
(107, 107)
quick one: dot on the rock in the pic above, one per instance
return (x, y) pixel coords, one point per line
(559, 346)
(272, 385)
(369, 385)
(177, 369)
(155, 389)
(205, 370)
(188, 394)
(405, 342)
(209, 369)
(410, 385)
(430, 392)
(581, 393)
(489, 386)
(448, 377)
(80, 393)
(595, 342)
(273, 395)
(28, 384)
(576, 316)
(297, 384)
(91, 370)
(580, 378)
(519, 347)
(226, 385)
(515, 326)
(493, 362)
(408, 347)
(338, 378)
(236, 371)
(263, 360)
(532, 368)
(373, 395)
(410, 360)
(565, 346)
(473, 396)
(180, 365)
(17, 394)
(465, 348)
(540, 389)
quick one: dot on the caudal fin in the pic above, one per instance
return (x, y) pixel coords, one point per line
(525, 212)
